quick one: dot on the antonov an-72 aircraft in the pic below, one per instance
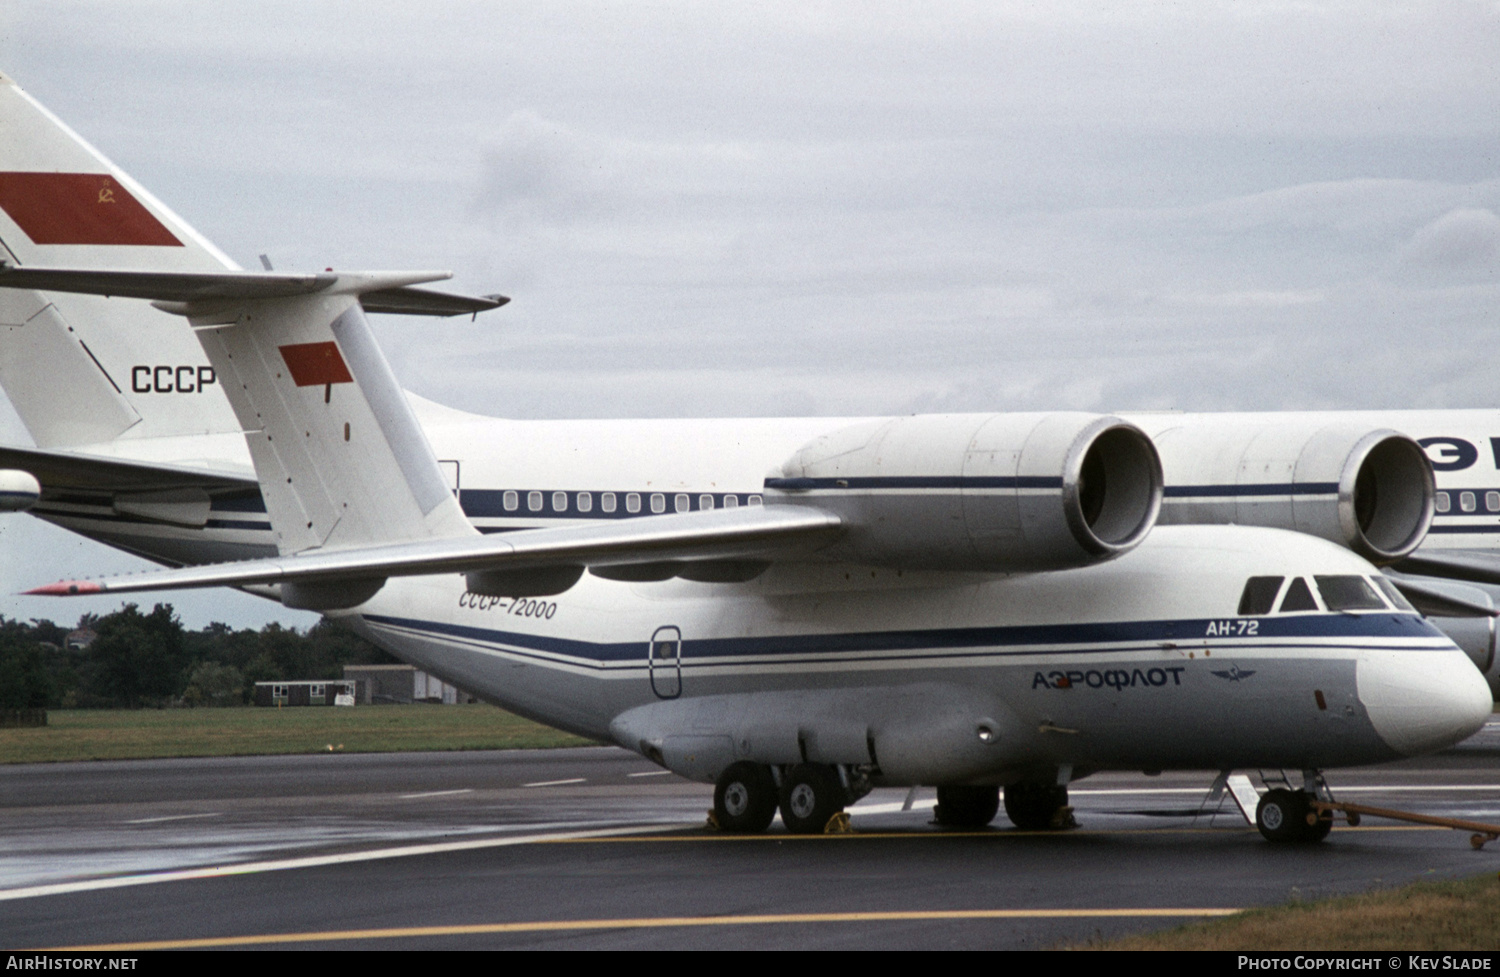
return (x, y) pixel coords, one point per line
(793, 609)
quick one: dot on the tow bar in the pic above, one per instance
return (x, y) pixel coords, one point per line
(1482, 833)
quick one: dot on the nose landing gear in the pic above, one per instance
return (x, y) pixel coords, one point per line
(1289, 816)
(1298, 816)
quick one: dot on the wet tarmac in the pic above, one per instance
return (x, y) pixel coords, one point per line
(597, 848)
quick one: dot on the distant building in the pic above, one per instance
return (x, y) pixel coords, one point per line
(403, 684)
(321, 693)
(80, 639)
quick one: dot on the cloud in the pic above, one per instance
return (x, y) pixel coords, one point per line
(1463, 244)
(538, 169)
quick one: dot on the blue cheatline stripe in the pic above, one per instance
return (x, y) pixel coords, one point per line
(1448, 530)
(247, 502)
(917, 482)
(236, 524)
(1382, 625)
(694, 659)
(132, 520)
(1231, 491)
(73, 498)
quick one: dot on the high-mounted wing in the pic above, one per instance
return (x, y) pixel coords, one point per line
(694, 538)
(1469, 566)
(1437, 603)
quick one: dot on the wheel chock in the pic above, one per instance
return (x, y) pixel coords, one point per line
(838, 824)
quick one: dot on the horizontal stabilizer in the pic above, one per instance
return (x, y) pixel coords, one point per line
(378, 291)
(422, 301)
(1436, 603)
(722, 534)
(1469, 567)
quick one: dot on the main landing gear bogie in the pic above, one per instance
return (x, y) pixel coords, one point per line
(747, 797)
(811, 794)
(964, 806)
(1287, 816)
(1035, 806)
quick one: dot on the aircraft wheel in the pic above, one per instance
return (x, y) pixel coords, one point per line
(1319, 830)
(810, 795)
(966, 807)
(1033, 806)
(745, 798)
(1282, 816)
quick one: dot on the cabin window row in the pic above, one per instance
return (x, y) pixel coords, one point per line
(631, 503)
(1339, 592)
(1467, 501)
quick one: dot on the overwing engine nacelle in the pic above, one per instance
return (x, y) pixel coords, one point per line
(980, 492)
(1370, 489)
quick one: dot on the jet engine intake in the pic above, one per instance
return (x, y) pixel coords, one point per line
(979, 492)
(1371, 490)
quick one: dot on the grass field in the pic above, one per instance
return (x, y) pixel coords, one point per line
(133, 734)
(1458, 915)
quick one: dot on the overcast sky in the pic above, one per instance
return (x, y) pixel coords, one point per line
(701, 209)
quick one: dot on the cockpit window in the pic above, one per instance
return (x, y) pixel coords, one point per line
(1260, 595)
(1349, 593)
(1298, 597)
(1397, 599)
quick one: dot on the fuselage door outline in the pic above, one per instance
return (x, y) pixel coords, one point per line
(664, 662)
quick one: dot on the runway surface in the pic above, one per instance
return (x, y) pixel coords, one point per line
(596, 848)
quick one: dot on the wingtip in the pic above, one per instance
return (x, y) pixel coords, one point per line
(65, 588)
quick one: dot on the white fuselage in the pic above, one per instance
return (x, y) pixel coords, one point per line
(1141, 662)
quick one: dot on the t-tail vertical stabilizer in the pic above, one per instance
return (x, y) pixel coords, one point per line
(341, 459)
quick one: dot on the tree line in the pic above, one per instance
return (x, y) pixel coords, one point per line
(140, 660)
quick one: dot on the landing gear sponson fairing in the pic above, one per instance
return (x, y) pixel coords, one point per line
(967, 601)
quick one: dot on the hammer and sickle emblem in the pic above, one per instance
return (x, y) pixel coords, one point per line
(106, 195)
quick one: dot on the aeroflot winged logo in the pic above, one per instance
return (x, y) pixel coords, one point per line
(79, 208)
(1234, 674)
(315, 364)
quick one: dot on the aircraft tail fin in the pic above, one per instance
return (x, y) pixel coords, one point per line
(341, 459)
(80, 369)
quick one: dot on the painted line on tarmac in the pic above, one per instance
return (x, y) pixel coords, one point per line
(557, 783)
(1203, 791)
(651, 773)
(1410, 790)
(437, 793)
(175, 817)
(924, 805)
(659, 922)
(998, 834)
(317, 861)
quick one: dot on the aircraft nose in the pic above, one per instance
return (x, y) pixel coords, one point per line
(1421, 701)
